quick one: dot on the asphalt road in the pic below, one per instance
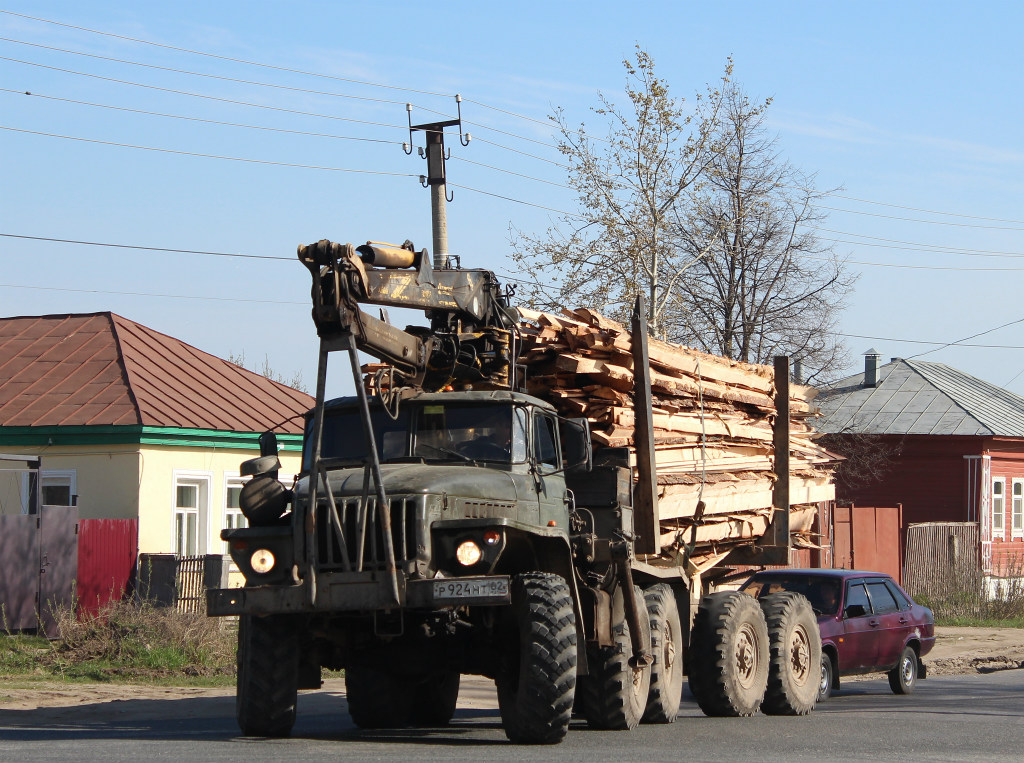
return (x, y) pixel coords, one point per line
(955, 718)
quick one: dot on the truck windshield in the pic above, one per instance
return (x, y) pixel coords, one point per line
(457, 432)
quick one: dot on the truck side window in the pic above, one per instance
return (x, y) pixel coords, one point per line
(544, 440)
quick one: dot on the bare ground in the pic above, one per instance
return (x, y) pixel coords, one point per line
(957, 650)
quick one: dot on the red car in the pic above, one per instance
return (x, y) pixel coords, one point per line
(868, 623)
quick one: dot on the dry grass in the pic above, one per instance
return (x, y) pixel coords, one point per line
(964, 596)
(127, 641)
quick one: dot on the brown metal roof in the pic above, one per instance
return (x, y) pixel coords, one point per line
(101, 369)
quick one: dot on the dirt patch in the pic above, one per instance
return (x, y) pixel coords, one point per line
(975, 650)
(956, 651)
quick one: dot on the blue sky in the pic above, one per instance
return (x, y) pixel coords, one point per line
(913, 109)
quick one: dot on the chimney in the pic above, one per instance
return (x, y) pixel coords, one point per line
(871, 367)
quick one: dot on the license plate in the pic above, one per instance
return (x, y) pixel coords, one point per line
(476, 588)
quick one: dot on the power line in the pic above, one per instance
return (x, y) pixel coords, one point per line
(147, 294)
(918, 220)
(210, 156)
(966, 338)
(509, 198)
(523, 153)
(510, 172)
(201, 95)
(928, 211)
(210, 76)
(918, 246)
(922, 341)
(149, 248)
(913, 267)
(200, 119)
(228, 58)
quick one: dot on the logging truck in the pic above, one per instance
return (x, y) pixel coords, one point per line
(447, 523)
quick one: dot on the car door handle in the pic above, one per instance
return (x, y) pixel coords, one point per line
(904, 621)
(873, 623)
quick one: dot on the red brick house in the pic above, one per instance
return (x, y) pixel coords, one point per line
(951, 448)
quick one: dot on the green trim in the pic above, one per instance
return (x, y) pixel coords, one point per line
(15, 437)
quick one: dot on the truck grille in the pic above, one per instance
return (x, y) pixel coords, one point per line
(355, 542)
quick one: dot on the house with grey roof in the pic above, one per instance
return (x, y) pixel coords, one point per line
(947, 446)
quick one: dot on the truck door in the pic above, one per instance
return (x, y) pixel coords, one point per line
(551, 495)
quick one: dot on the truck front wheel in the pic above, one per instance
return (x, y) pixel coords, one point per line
(268, 675)
(728, 658)
(536, 690)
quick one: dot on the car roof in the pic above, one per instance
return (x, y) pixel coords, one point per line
(824, 573)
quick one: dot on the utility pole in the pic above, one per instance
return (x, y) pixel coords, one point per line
(435, 179)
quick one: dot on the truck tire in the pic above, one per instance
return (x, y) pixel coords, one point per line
(667, 645)
(728, 657)
(436, 698)
(378, 699)
(794, 665)
(903, 678)
(268, 675)
(614, 695)
(535, 692)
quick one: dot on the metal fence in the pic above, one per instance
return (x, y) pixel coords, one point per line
(181, 581)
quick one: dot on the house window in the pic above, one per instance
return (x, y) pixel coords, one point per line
(56, 488)
(1017, 514)
(191, 496)
(999, 507)
(233, 517)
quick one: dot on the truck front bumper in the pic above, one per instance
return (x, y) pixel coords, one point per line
(350, 593)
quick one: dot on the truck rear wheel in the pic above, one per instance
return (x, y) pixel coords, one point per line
(667, 645)
(535, 692)
(268, 675)
(794, 643)
(436, 698)
(728, 658)
(378, 699)
(614, 694)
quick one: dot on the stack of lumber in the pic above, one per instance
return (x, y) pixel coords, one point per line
(712, 429)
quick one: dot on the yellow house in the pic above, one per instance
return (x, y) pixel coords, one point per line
(134, 424)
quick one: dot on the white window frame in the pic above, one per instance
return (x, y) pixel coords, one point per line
(1017, 512)
(51, 477)
(999, 508)
(203, 481)
(232, 517)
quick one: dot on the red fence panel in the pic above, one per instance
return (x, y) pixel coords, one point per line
(108, 551)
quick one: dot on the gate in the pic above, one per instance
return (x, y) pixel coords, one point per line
(868, 538)
(38, 564)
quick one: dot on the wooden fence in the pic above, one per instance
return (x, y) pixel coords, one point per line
(942, 559)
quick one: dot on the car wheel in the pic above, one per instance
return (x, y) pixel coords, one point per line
(903, 678)
(826, 683)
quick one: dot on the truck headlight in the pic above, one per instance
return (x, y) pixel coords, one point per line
(468, 553)
(262, 560)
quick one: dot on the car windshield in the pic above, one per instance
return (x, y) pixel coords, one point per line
(456, 432)
(821, 592)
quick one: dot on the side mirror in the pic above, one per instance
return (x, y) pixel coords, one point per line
(855, 610)
(577, 451)
(268, 444)
(263, 465)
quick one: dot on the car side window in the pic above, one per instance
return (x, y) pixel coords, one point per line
(901, 598)
(882, 600)
(855, 594)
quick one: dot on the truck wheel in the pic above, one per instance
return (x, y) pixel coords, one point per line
(667, 646)
(614, 694)
(903, 678)
(535, 692)
(794, 643)
(268, 675)
(436, 698)
(728, 659)
(378, 699)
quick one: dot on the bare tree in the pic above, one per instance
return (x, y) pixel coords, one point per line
(630, 185)
(762, 283)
